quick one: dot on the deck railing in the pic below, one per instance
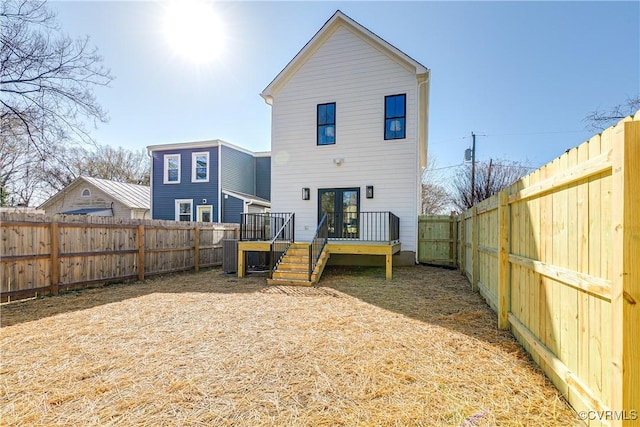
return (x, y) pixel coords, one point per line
(317, 244)
(364, 226)
(261, 226)
(379, 227)
(280, 242)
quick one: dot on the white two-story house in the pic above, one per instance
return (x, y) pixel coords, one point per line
(349, 139)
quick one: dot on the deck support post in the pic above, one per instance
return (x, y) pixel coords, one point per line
(241, 265)
(389, 266)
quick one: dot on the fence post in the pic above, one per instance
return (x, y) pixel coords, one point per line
(503, 260)
(474, 249)
(625, 283)
(196, 251)
(141, 252)
(55, 256)
(463, 244)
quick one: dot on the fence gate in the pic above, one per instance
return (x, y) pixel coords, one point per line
(437, 240)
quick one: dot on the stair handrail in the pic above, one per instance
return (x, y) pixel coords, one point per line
(288, 228)
(317, 244)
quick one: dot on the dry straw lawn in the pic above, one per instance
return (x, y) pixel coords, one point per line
(209, 349)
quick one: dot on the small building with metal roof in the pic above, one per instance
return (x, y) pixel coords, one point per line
(101, 197)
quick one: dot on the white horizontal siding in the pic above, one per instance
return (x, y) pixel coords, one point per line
(356, 76)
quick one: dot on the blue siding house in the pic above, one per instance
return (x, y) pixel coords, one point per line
(208, 181)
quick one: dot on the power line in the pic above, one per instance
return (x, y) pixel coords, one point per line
(442, 141)
(444, 167)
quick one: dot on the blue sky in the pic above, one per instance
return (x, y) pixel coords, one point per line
(523, 74)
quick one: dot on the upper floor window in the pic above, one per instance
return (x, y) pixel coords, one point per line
(172, 169)
(200, 167)
(326, 124)
(395, 116)
(85, 193)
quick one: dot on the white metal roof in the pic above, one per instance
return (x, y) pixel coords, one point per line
(133, 196)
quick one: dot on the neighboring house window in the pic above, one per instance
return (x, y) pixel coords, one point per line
(172, 168)
(184, 208)
(395, 116)
(205, 213)
(200, 167)
(327, 124)
(86, 193)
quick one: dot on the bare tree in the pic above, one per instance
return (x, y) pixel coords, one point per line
(598, 120)
(103, 161)
(491, 177)
(47, 81)
(435, 199)
(28, 181)
(47, 77)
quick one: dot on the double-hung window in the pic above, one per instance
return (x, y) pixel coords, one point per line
(395, 116)
(184, 209)
(200, 167)
(172, 169)
(326, 124)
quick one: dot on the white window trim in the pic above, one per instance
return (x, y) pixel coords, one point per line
(202, 208)
(166, 168)
(193, 166)
(82, 192)
(178, 202)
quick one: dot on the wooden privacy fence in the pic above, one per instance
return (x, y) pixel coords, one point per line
(557, 256)
(437, 240)
(44, 255)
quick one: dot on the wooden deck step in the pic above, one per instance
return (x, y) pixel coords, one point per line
(293, 270)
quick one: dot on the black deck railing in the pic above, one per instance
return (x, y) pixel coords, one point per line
(261, 226)
(363, 226)
(280, 242)
(317, 244)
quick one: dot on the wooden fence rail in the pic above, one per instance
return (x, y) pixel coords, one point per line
(557, 257)
(45, 255)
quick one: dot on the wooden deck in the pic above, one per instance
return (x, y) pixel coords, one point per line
(353, 247)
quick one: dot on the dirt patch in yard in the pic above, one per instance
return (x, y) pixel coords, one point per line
(211, 349)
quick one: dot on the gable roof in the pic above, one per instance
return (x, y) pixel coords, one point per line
(133, 196)
(339, 19)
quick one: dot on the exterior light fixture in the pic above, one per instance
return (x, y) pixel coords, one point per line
(338, 162)
(369, 191)
(305, 193)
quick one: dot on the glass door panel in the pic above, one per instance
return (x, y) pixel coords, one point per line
(342, 206)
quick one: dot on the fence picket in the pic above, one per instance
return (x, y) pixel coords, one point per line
(43, 255)
(566, 251)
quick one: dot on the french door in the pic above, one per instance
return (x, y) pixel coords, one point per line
(342, 206)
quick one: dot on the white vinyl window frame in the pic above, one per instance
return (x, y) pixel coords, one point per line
(202, 209)
(171, 160)
(180, 213)
(194, 167)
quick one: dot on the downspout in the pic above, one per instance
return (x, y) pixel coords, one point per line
(150, 154)
(423, 134)
(219, 182)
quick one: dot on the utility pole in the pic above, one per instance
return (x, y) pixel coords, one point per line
(470, 154)
(473, 169)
